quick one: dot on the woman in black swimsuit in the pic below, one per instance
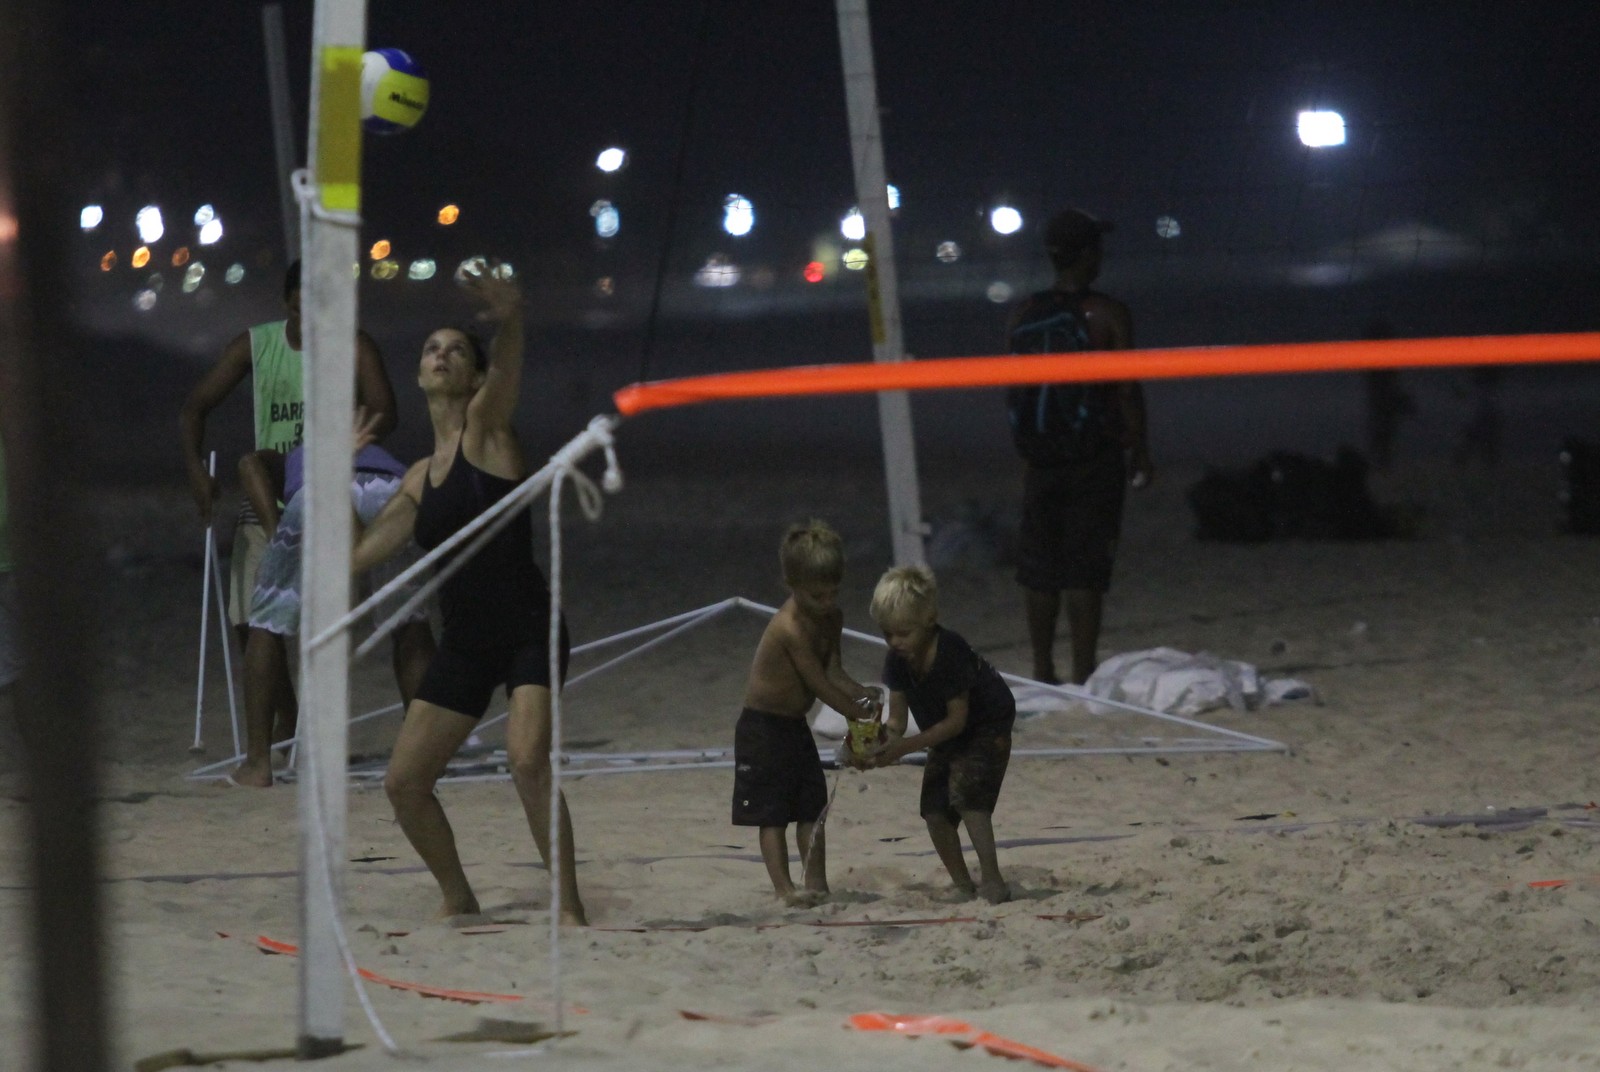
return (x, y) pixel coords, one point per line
(496, 607)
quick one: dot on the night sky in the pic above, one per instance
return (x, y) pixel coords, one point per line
(1460, 203)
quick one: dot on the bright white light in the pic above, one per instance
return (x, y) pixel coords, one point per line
(149, 223)
(90, 217)
(948, 253)
(422, 268)
(610, 159)
(738, 215)
(204, 215)
(1167, 227)
(607, 220)
(894, 197)
(855, 259)
(718, 271)
(211, 232)
(854, 226)
(1006, 220)
(234, 275)
(1318, 130)
(145, 300)
(192, 277)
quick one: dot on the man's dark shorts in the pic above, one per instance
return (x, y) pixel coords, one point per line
(463, 679)
(1071, 518)
(777, 775)
(965, 774)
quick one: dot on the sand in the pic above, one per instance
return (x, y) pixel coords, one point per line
(1415, 885)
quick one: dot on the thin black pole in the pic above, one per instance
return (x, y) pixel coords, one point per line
(690, 94)
(55, 573)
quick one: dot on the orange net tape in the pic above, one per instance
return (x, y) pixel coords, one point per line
(1008, 369)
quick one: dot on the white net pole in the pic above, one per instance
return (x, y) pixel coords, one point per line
(330, 206)
(906, 529)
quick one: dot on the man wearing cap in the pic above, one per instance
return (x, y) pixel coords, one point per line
(1083, 443)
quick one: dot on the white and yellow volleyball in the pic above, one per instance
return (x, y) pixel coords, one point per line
(394, 91)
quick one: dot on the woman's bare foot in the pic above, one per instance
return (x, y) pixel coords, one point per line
(459, 906)
(253, 774)
(805, 898)
(994, 891)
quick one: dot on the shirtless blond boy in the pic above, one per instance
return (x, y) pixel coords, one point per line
(778, 776)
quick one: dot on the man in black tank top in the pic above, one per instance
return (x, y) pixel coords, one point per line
(496, 607)
(1072, 508)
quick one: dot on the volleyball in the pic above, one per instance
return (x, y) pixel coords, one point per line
(394, 91)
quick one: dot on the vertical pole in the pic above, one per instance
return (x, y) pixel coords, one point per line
(906, 529)
(330, 234)
(282, 123)
(55, 572)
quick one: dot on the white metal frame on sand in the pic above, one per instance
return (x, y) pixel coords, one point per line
(490, 766)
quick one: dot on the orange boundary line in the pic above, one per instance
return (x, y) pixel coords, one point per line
(962, 1034)
(1175, 363)
(470, 997)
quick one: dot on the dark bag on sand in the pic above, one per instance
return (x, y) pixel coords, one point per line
(1056, 424)
(1291, 496)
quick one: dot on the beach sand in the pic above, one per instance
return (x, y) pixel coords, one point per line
(1414, 886)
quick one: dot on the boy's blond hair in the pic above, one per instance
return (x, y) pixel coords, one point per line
(906, 595)
(811, 553)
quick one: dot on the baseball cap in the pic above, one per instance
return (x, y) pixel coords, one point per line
(1073, 229)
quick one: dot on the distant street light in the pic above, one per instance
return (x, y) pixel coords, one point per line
(854, 226)
(611, 159)
(1005, 220)
(738, 215)
(1319, 129)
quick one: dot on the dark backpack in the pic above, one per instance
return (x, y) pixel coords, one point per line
(1055, 424)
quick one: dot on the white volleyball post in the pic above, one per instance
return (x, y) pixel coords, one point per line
(330, 203)
(883, 292)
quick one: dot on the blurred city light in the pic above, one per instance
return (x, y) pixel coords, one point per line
(610, 159)
(717, 271)
(180, 256)
(948, 253)
(144, 301)
(1167, 227)
(210, 232)
(1320, 129)
(204, 215)
(155, 282)
(738, 215)
(607, 220)
(380, 249)
(386, 269)
(449, 214)
(141, 257)
(1005, 220)
(192, 277)
(894, 197)
(234, 275)
(148, 221)
(814, 272)
(853, 226)
(109, 261)
(999, 292)
(422, 268)
(91, 217)
(605, 286)
(855, 259)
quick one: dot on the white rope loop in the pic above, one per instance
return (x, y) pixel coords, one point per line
(306, 194)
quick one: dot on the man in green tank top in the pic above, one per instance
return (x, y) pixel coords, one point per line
(270, 355)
